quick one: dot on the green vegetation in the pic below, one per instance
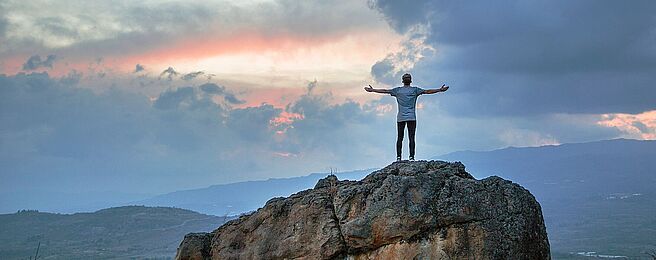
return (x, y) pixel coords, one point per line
(133, 232)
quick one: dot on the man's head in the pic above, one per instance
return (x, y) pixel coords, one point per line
(407, 79)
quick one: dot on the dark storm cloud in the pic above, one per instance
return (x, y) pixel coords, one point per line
(527, 58)
(35, 62)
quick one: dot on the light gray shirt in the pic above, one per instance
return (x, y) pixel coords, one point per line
(406, 98)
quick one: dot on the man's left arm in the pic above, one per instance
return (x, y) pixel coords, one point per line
(436, 90)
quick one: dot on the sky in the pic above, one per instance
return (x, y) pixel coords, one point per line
(158, 96)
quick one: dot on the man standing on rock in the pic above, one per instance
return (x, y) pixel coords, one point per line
(406, 98)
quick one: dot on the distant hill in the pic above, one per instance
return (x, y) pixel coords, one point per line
(65, 202)
(597, 196)
(226, 199)
(131, 232)
(235, 198)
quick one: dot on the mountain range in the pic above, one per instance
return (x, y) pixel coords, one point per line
(236, 198)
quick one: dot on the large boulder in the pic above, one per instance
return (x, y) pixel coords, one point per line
(407, 210)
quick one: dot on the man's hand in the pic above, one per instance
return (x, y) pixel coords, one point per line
(444, 88)
(369, 89)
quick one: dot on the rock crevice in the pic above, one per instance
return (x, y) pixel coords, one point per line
(407, 210)
(337, 221)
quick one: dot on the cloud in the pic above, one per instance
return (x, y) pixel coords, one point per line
(311, 86)
(191, 97)
(53, 25)
(138, 68)
(70, 137)
(192, 75)
(73, 138)
(3, 26)
(394, 65)
(640, 126)
(213, 89)
(169, 73)
(232, 99)
(254, 121)
(73, 77)
(135, 28)
(173, 99)
(531, 58)
(35, 62)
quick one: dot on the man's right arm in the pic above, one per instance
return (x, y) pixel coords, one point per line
(380, 90)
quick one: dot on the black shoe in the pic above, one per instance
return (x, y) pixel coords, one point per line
(412, 158)
(398, 159)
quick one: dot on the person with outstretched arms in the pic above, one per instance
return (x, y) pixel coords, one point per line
(406, 99)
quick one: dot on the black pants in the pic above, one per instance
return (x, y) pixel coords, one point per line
(400, 128)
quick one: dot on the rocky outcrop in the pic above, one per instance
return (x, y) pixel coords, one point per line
(408, 210)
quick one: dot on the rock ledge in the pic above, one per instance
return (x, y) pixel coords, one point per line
(407, 210)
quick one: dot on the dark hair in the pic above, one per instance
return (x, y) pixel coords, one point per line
(406, 78)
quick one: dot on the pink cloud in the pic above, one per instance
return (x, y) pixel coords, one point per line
(278, 97)
(641, 126)
(285, 118)
(202, 47)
